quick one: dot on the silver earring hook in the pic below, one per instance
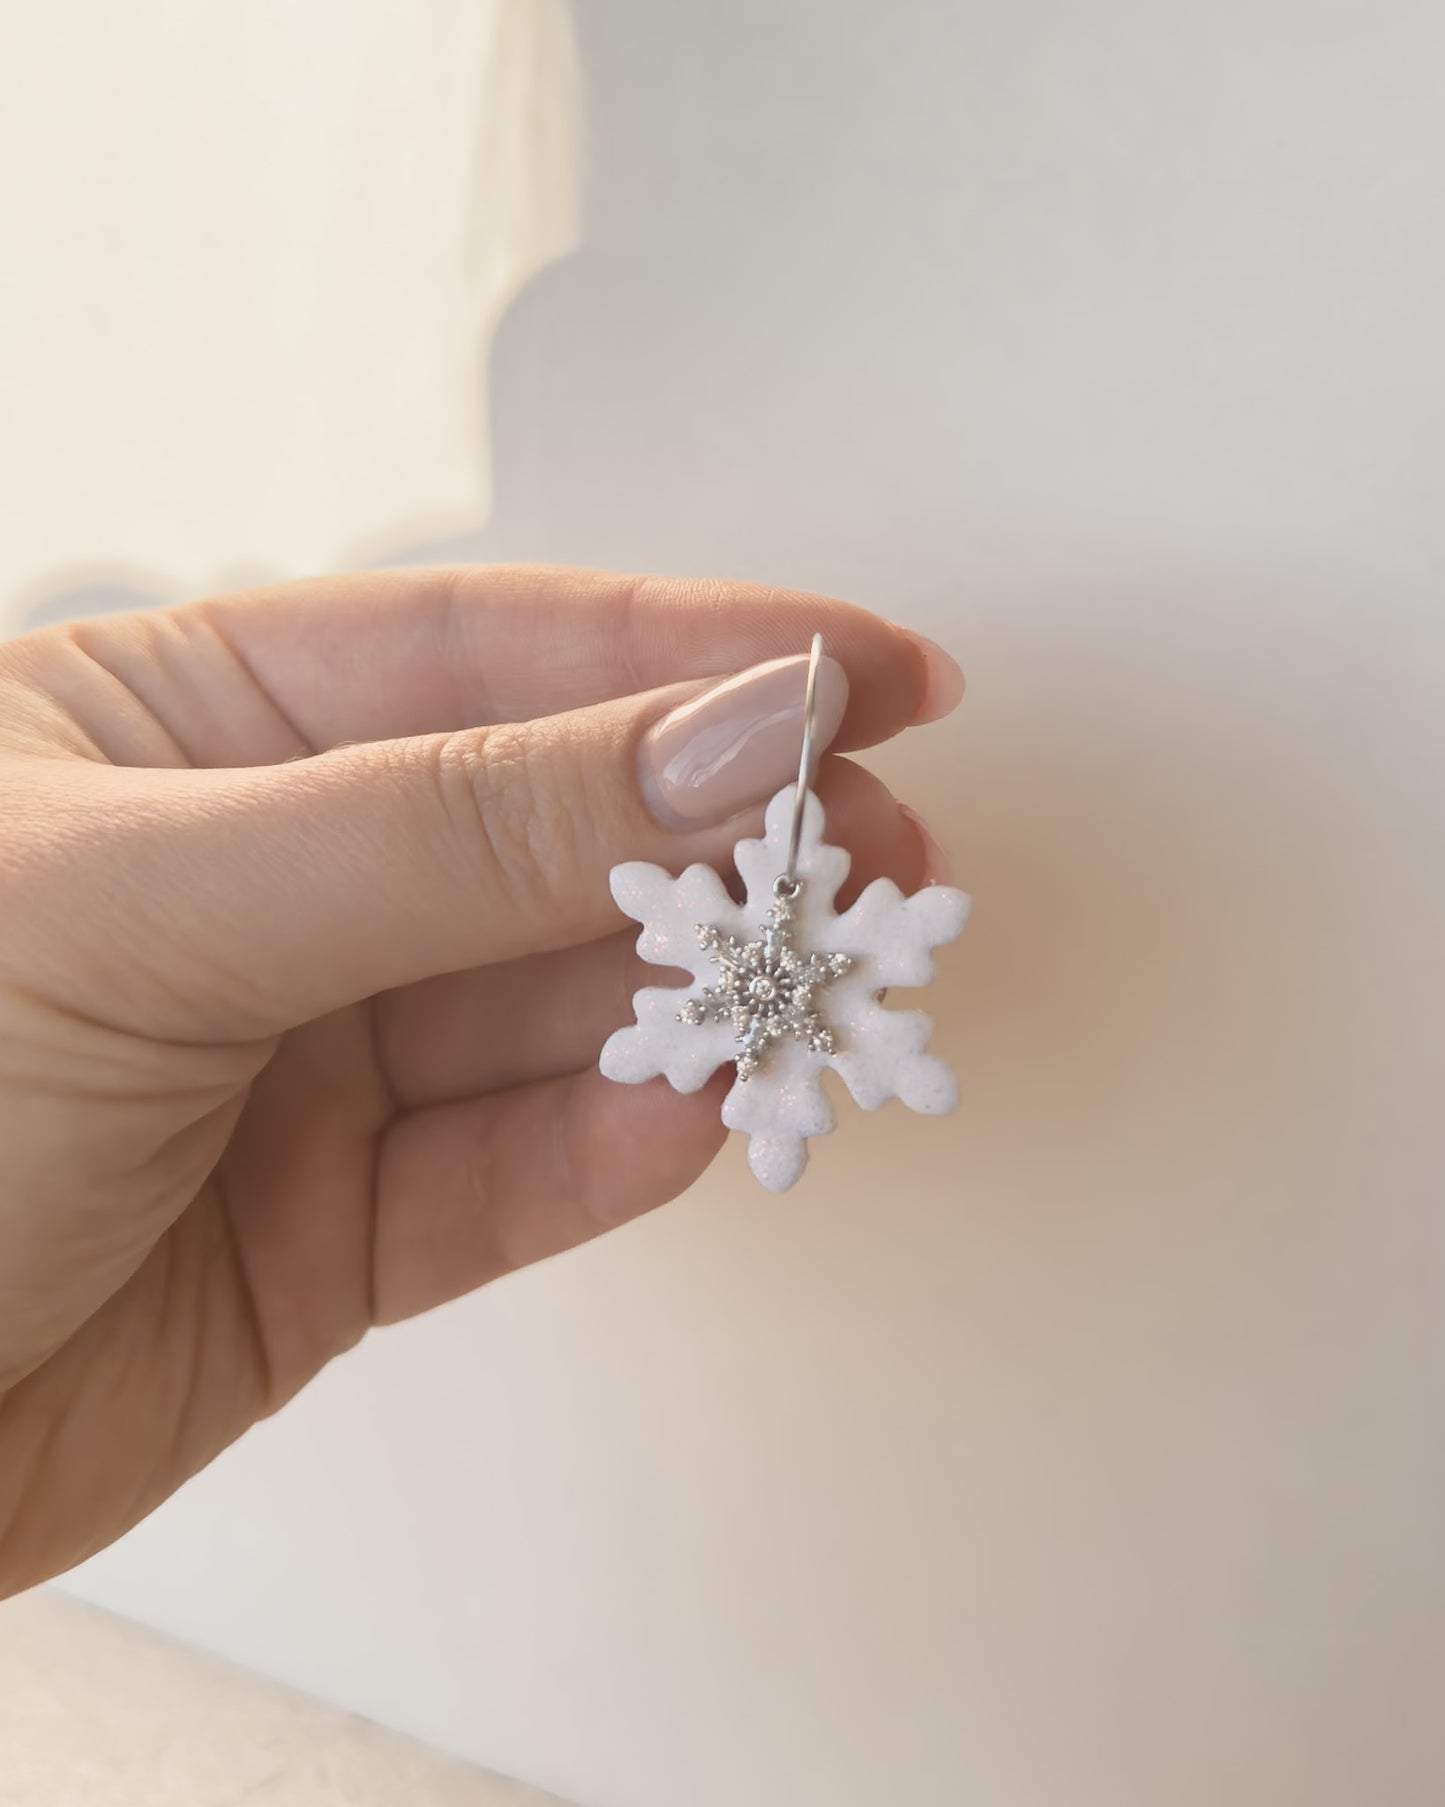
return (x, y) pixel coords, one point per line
(789, 885)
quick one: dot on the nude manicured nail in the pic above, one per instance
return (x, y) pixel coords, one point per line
(943, 684)
(937, 862)
(738, 743)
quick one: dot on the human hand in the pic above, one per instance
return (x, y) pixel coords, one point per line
(306, 956)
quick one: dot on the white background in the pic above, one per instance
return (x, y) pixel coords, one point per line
(1087, 1450)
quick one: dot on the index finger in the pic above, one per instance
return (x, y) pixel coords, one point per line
(392, 654)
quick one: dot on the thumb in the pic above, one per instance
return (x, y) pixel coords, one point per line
(260, 898)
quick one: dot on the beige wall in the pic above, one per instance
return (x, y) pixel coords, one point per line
(1087, 1450)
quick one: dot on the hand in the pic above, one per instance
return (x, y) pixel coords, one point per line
(306, 956)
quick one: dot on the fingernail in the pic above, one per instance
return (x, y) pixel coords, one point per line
(943, 682)
(937, 862)
(737, 743)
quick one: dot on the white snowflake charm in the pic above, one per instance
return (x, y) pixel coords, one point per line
(785, 986)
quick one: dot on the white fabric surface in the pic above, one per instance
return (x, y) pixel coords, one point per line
(98, 1713)
(250, 261)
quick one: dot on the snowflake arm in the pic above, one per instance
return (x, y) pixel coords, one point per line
(899, 932)
(669, 910)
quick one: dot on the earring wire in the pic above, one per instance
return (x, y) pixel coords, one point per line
(788, 885)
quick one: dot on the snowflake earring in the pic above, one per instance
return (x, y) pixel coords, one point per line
(783, 985)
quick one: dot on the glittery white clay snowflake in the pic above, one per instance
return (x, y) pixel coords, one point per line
(784, 986)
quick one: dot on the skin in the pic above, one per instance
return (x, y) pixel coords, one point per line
(306, 956)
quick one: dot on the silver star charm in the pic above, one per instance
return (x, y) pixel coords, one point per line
(765, 987)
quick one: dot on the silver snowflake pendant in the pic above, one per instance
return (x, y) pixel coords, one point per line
(766, 987)
(785, 987)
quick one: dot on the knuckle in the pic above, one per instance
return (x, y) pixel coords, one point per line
(44, 837)
(502, 794)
